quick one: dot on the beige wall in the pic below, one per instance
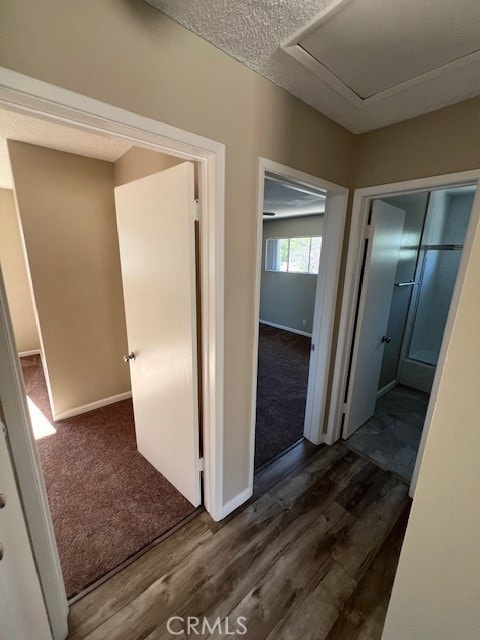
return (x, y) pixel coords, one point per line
(444, 141)
(127, 54)
(137, 163)
(15, 275)
(67, 213)
(437, 587)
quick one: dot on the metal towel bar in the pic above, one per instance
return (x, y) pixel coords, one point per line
(410, 283)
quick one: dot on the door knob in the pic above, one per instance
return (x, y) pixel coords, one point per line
(130, 356)
(386, 339)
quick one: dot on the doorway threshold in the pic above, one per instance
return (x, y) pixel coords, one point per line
(283, 464)
(135, 556)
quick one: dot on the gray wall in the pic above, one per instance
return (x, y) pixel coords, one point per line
(287, 298)
(415, 205)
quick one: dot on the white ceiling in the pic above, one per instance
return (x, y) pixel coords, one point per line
(287, 200)
(15, 126)
(365, 63)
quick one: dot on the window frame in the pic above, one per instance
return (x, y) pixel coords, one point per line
(289, 239)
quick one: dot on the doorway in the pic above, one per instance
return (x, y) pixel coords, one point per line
(409, 264)
(300, 226)
(209, 156)
(292, 241)
(75, 228)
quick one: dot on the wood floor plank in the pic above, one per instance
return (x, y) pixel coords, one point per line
(313, 618)
(367, 479)
(364, 615)
(300, 477)
(218, 597)
(278, 588)
(287, 491)
(358, 495)
(168, 591)
(289, 463)
(301, 561)
(220, 594)
(366, 536)
(362, 488)
(99, 605)
(348, 468)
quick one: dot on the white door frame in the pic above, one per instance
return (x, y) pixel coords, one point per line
(33, 97)
(22, 605)
(325, 296)
(360, 211)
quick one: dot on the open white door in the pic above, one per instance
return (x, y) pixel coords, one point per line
(156, 230)
(385, 235)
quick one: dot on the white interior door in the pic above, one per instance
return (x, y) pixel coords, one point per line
(386, 229)
(157, 249)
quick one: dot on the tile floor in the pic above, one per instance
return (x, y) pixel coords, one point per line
(392, 435)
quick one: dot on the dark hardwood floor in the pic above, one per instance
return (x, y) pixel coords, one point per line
(313, 556)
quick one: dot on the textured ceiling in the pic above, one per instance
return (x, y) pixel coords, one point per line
(14, 126)
(253, 32)
(289, 201)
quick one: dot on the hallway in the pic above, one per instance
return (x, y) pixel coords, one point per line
(314, 557)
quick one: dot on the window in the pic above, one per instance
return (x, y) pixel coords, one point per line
(293, 255)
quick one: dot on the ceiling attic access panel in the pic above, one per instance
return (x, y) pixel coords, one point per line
(370, 49)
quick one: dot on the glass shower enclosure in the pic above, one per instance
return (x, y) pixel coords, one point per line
(438, 262)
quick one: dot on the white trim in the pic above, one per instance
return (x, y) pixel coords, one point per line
(29, 477)
(360, 209)
(388, 387)
(293, 47)
(32, 352)
(104, 402)
(30, 96)
(289, 329)
(237, 501)
(325, 298)
(324, 315)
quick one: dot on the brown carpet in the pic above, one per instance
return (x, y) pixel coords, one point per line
(283, 361)
(107, 502)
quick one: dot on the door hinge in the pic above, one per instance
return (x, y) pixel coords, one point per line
(4, 429)
(200, 465)
(368, 230)
(344, 407)
(196, 210)
(313, 347)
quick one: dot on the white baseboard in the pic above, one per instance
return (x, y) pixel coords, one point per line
(32, 352)
(90, 407)
(237, 501)
(381, 392)
(280, 326)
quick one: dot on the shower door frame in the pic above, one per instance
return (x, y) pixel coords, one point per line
(359, 232)
(429, 374)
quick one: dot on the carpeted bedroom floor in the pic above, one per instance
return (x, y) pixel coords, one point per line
(283, 361)
(107, 502)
